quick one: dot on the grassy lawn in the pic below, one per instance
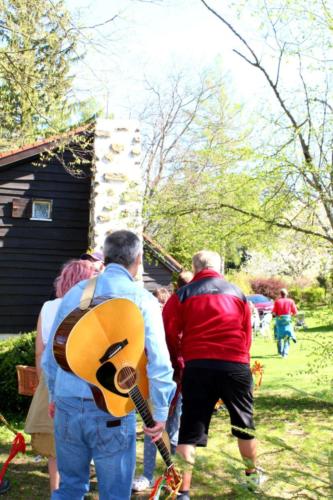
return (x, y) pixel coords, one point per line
(294, 421)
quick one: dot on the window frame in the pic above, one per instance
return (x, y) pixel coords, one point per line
(45, 201)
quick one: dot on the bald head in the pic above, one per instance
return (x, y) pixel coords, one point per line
(205, 259)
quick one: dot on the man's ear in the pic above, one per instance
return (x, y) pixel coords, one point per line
(138, 260)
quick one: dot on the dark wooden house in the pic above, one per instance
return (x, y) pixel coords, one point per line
(44, 214)
(159, 267)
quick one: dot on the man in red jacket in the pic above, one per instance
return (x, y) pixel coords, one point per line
(213, 319)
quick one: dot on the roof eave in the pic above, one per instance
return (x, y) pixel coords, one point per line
(160, 254)
(39, 147)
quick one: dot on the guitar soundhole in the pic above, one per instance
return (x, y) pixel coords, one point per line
(126, 378)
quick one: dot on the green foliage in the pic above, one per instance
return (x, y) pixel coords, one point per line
(37, 48)
(240, 279)
(295, 293)
(313, 296)
(190, 204)
(325, 281)
(319, 329)
(189, 213)
(309, 296)
(15, 351)
(294, 123)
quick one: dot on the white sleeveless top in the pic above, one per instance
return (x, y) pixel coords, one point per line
(48, 313)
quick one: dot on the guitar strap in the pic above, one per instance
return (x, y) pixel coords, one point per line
(88, 293)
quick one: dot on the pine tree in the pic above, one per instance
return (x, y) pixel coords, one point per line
(37, 48)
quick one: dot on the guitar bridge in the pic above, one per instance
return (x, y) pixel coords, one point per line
(113, 350)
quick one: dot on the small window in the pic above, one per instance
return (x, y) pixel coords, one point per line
(41, 210)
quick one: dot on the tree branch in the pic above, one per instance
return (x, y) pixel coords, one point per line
(256, 63)
(271, 222)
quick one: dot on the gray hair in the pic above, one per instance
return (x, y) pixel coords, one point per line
(205, 259)
(122, 247)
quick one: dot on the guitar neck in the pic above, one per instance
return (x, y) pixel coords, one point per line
(145, 413)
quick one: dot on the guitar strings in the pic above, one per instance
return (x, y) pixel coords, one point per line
(128, 381)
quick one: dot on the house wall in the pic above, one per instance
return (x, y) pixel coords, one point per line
(84, 211)
(32, 252)
(117, 186)
(155, 274)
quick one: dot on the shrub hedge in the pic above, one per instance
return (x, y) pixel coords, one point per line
(15, 351)
(310, 296)
(295, 293)
(270, 287)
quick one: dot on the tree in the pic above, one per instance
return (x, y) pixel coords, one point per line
(170, 117)
(193, 164)
(38, 47)
(292, 258)
(296, 157)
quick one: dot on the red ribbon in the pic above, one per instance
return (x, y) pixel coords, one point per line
(18, 445)
(156, 488)
(167, 482)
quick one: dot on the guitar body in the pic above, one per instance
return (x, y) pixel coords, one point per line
(95, 344)
(104, 345)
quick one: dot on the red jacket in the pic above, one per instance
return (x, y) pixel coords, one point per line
(212, 317)
(284, 306)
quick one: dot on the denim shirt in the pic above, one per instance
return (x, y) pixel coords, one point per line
(116, 281)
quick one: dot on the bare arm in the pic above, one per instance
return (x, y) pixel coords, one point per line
(39, 346)
(293, 308)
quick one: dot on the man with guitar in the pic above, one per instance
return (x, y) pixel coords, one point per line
(214, 320)
(82, 430)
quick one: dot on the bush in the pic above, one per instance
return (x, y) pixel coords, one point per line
(270, 287)
(295, 293)
(308, 296)
(313, 295)
(326, 282)
(15, 351)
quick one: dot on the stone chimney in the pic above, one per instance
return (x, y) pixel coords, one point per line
(117, 186)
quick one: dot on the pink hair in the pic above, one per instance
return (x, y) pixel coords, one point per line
(71, 273)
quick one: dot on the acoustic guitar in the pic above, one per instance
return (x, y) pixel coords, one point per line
(104, 345)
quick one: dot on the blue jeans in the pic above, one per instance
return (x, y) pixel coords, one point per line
(283, 346)
(150, 450)
(84, 432)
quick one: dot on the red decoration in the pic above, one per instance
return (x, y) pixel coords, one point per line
(18, 446)
(257, 371)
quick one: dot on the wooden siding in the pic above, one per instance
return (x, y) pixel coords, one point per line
(32, 251)
(155, 274)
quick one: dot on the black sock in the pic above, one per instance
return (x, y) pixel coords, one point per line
(250, 473)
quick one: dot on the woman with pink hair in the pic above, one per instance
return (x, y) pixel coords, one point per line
(38, 422)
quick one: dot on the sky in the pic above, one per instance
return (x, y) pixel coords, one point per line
(150, 41)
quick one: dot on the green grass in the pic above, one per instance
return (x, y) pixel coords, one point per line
(294, 409)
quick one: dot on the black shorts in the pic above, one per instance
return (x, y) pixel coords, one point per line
(204, 383)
